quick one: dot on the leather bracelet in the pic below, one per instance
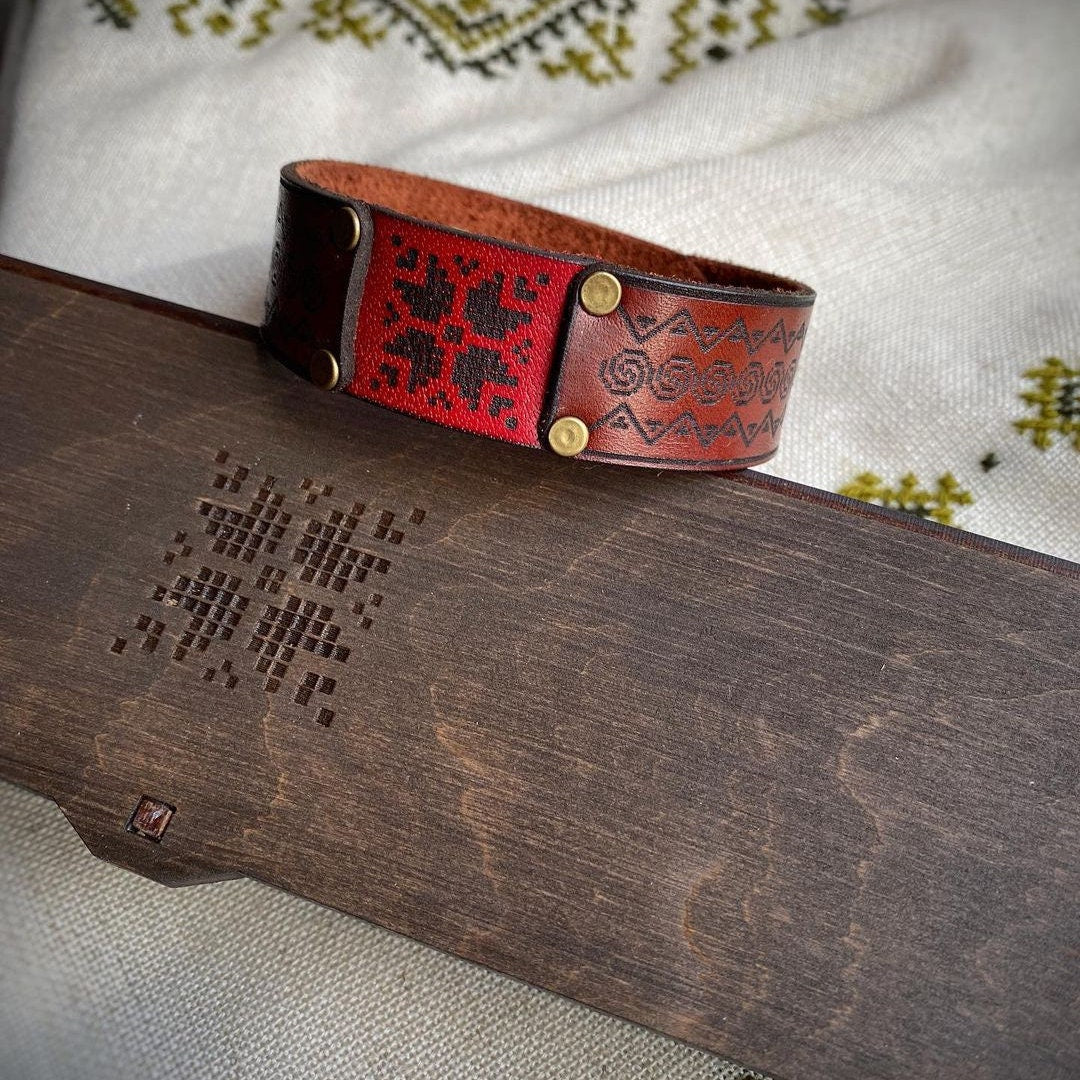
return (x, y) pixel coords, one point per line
(503, 319)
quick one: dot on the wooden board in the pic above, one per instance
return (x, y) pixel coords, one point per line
(773, 772)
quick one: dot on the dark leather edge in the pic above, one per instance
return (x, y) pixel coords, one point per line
(355, 293)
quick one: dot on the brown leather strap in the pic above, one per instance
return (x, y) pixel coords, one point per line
(487, 315)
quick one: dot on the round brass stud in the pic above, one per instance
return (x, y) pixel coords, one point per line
(568, 436)
(601, 293)
(345, 228)
(323, 369)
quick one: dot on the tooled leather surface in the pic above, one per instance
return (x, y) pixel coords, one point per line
(679, 381)
(489, 338)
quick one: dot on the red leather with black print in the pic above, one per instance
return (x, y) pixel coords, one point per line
(462, 308)
(458, 330)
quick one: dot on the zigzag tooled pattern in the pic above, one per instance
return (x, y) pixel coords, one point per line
(686, 425)
(682, 323)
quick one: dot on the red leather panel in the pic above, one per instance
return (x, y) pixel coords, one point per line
(679, 381)
(458, 330)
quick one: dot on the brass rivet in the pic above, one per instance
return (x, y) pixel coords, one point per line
(345, 228)
(323, 369)
(568, 436)
(600, 293)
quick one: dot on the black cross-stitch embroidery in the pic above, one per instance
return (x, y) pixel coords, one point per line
(595, 41)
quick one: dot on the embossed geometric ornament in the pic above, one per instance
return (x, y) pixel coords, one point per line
(630, 370)
(714, 381)
(673, 378)
(683, 381)
(626, 372)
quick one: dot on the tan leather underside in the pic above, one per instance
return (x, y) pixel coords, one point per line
(519, 223)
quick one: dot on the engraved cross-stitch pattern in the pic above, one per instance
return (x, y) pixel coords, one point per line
(305, 595)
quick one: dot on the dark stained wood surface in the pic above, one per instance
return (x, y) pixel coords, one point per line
(767, 770)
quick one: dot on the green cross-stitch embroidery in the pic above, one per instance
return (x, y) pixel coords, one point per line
(1055, 401)
(611, 41)
(827, 13)
(760, 17)
(908, 496)
(686, 35)
(333, 18)
(590, 40)
(118, 13)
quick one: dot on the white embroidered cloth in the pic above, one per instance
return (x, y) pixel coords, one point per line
(917, 163)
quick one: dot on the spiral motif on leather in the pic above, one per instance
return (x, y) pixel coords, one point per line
(626, 372)
(773, 382)
(714, 382)
(789, 378)
(675, 377)
(748, 383)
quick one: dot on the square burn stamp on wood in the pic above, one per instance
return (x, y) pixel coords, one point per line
(150, 818)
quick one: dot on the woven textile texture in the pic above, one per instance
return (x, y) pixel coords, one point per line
(917, 163)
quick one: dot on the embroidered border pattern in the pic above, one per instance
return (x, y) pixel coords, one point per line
(910, 496)
(1054, 400)
(591, 40)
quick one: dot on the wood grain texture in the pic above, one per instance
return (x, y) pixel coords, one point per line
(745, 763)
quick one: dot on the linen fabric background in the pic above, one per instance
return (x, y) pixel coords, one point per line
(917, 163)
